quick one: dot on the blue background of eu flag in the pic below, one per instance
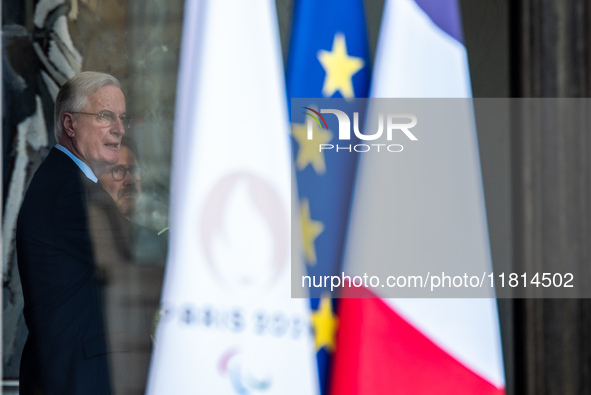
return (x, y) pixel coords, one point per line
(315, 27)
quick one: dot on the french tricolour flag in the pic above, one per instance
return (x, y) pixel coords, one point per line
(419, 346)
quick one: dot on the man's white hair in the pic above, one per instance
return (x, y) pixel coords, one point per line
(73, 94)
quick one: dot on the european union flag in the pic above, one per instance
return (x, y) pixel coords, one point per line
(328, 58)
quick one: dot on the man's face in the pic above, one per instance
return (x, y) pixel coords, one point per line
(127, 191)
(97, 145)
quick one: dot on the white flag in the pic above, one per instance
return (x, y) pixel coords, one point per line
(229, 325)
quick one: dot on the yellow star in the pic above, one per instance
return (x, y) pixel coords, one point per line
(325, 325)
(339, 68)
(309, 152)
(310, 231)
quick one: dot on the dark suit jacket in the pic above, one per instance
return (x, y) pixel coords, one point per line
(65, 352)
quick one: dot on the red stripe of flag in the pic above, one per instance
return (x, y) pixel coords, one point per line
(396, 358)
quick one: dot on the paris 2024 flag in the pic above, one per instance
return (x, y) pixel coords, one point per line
(229, 325)
(429, 208)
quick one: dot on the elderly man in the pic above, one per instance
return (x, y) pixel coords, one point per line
(65, 351)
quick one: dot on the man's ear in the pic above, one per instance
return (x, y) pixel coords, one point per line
(68, 124)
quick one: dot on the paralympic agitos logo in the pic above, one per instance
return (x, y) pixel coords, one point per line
(394, 123)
